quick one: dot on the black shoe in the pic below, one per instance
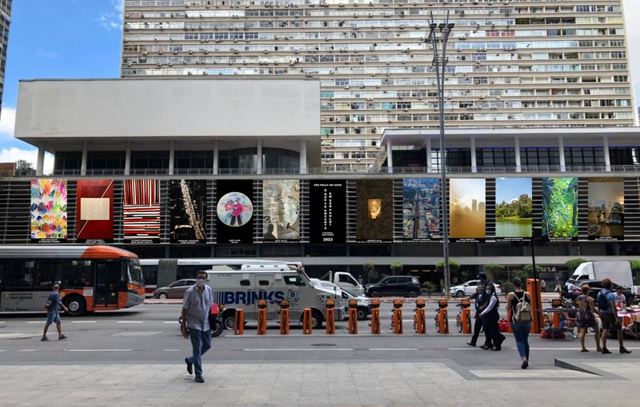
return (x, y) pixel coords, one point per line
(525, 364)
(199, 379)
(624, 350)
(44, 339)
(61, 337)
(189, 366)
(486, 347)
(497, 348)
(471, 344)
(605, 351)
(500, 340)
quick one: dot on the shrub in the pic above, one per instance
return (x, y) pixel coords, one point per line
(429, 286)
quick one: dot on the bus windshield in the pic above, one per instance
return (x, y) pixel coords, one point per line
(135, 272)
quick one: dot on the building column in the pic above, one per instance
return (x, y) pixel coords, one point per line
(216, 157)
(607, 156)
(127, 159)
(40, 162)
(259, 158)
(563, 166)
(172, 157)
(428, 157)
(303, 157)
(474, 161)
(389, 157)
(516, 147)
(83, 160)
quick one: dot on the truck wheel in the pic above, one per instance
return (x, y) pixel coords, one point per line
(229, 321)
(76, 305)
(316, 319)
(362, 313)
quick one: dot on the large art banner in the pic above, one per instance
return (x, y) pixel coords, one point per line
(606, 209)
(95, 210)
(281, 206)
(514, 208)
(467, 206)
(375, 210)
(48, 209)
(560, 208)
(421, 209)
(234, 210)
(328, 211)
(141, 210)
(188, 211)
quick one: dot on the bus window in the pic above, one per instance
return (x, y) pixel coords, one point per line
(150, 274)
(75, 273)
(47, 275)
(135, 272)
(20, 275)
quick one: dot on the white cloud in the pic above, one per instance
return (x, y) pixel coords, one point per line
(7, 121)
(14, 154)
(46, 54)
(114, 18)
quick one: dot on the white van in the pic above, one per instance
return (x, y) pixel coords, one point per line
(274, 283)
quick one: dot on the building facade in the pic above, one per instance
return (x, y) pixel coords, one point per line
(5, 22)
(511, 64)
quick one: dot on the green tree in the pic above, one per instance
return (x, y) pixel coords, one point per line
(396, 267)
(573, 264)
(454, 266)
(492, 269)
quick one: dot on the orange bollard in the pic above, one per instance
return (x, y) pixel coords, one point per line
(239, 322)
(465, 316)
(533, 287)
(420, 317)
(262, 317)
(375, 316)
(331, 321)
(284, 317)
(397, 316)
(353, 317)
(442, 321)
(307, 322)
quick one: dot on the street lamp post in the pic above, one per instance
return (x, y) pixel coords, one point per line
(439, 36)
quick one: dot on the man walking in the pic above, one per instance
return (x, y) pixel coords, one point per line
(53, 305)
(477, 326)
(609, 315)
(196, 306)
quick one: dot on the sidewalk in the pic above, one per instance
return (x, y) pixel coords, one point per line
(317, 384)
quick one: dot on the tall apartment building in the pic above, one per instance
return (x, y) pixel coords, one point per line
(5, 22)
(533, 63)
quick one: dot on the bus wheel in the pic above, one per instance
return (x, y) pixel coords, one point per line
(76, 305)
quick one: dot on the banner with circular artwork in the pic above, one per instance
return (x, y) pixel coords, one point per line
(234, 211)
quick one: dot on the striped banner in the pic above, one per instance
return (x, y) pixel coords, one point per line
(141, 211)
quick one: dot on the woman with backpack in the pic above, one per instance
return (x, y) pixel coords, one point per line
(519, 305)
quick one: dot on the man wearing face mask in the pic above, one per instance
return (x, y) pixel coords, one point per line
(196, 306)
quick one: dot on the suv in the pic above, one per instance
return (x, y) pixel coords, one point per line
(469, 288)
(403, 286)
(175, 289)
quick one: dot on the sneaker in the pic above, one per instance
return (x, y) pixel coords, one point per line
(189, 366)
(525, 364)
(605, 351)
(199, 379)
(471, 344)
(624, 350)
(44, 339)
(61, 337)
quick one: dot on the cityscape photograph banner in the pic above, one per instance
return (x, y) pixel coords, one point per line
(234, 211)
(188, 211)
(141, 210)
(375, 210)
(421, 209)
(560, 208)
(281, 206)
(606, 209)
(328, 211)
(48, 209)
(95, 210)
(514, 208)
(467, 206)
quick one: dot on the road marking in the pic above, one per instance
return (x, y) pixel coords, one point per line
(169, 322)
(17, 336)
(299, 350)
(130, 322)
(576, 348)
(34, 322)
(392, 349)
(99, 350)
(83, 322)
(529, 374)
(27, 350)
(172, 350)
(138, 333)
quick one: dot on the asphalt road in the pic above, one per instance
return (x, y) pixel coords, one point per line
(149, 334)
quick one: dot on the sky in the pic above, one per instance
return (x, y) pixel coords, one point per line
(510, 189)
(83, 39)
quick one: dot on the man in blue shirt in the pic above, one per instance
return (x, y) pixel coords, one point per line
(609, 316)
(196, 307)
(53, 305)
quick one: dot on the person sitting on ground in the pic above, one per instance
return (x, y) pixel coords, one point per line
(587, 317)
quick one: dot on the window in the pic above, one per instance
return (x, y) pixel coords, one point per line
(294, 280)
(245, 283)
(263, 282)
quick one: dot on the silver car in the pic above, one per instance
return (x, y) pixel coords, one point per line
(175, 289)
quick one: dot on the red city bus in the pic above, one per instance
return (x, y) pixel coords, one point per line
(91, 278)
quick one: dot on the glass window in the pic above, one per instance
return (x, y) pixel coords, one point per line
(20, 275)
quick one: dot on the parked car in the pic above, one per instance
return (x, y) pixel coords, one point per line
(596, 285)
(402, 286)
(469, 288)
(175, 289)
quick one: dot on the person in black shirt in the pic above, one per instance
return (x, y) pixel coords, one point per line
(477, 325)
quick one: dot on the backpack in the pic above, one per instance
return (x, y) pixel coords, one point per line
(523, 310)
(603, 301)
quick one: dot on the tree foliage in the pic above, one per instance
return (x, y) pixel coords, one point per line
(453, 265)
(573, 264)
(521, 208)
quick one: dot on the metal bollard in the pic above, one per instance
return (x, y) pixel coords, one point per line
(284, 317)
(262, 317)
(331, 321)
(238, 329)
(420, 317)
(397, 316)
(353, 316)
(464, 324)
(307, 322)
(442, 321)
(375, 316)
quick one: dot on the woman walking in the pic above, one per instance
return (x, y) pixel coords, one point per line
(587, 317)
(519, 305)
(490, 318)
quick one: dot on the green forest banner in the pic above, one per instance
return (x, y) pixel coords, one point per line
(560, 208)
(513, 208)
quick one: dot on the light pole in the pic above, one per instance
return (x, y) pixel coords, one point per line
(439, 36)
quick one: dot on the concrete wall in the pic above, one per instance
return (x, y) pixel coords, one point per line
(167, 108)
